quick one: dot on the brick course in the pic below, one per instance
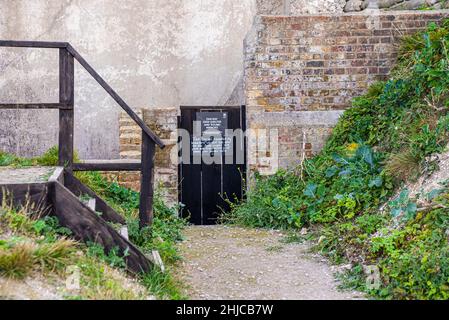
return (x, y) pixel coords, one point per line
(163, 121)
(318, 63)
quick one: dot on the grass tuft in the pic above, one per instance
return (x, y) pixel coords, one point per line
(16, 261)
(403, 166)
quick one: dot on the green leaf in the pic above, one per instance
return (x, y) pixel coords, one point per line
(310, 190)
(376, 182)
(330, 172)
(403, 196)
(433, 194)
(366, 154)
(396, 212)
(339, 159)
(345, 172)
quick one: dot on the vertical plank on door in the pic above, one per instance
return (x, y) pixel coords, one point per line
(203, 186)
(190, 177)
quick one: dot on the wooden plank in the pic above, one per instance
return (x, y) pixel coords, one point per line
(33, 196)
(116, 97)
(147, 181)
(212, 183)
(35, 106)
(79, 189)
(108, 165)
(33, 44)
(64, 47)
(58, 175)
(87, 226)
(66, 117)
(190, 174)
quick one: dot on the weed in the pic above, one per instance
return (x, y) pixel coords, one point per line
(162, 284)
(113, 258)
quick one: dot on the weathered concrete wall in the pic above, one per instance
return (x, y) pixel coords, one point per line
(152, 52)
(301, 71)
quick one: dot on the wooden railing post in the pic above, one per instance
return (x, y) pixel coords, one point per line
(66, 116)
(147, 181)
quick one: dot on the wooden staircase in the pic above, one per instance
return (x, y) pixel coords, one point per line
(62, 194)
(75, 205)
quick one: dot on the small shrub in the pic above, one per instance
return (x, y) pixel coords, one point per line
(162, 284)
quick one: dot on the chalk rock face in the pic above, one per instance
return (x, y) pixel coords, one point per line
(271, 7)
(299, 7)
(353, 5)
(414, 4)
(359, 5)
(388, 3)
(316, 6)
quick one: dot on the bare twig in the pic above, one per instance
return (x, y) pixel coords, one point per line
(431, 207)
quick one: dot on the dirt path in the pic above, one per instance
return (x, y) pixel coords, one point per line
(223, 262)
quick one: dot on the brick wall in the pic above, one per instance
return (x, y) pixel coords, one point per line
(163, 121)
(301, 71)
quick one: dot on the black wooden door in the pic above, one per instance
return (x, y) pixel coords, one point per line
(213, 162)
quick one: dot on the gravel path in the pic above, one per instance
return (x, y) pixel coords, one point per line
(222, 262)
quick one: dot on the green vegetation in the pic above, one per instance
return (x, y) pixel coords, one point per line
(41, 246)
(384, 141)
(161, 236)
(50, 158)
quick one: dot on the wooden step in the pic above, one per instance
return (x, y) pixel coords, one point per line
(79, 189)
(87, 226)
(57, 192)
(108, 165)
